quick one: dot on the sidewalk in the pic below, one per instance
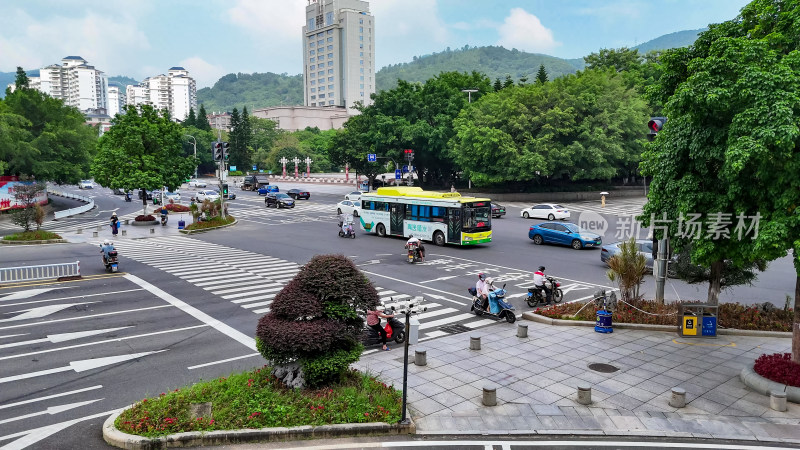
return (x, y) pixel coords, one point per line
(131, 231)
(537, 378)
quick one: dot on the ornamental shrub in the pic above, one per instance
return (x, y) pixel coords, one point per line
(778, 367)
(314, 319)
(143, 218)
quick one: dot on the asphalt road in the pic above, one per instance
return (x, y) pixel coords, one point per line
(186, 308)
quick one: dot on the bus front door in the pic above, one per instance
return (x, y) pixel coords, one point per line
(454, 225)
(396, 217)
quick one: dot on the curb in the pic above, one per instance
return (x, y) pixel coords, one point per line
(648, 327)
(763, 385)
(144, 223)
(225, 437)
(44, 241)
(184, 231)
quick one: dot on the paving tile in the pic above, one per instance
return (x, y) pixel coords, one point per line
(427, 406)
(463, 407)
(719, 396)
(707, 405)
(543, 397)
(666, 381)
(640, 394)
(688, 426)
(656, 424)
(653, 387)
(611, 386)
(628, 423)
(430, 389)
(771, 430)
(624, 401)
(561, 390)
(467, 391)
(719, 428)
(448, 399)
(546, 410)
(749, 407)
(523, 387)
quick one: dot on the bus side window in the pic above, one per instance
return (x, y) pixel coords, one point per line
(438, 213)
(425, 213)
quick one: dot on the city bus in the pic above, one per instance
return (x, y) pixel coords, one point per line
(439, 217)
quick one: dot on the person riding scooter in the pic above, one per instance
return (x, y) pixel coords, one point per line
(164, 213)
(413, 241)
(105, 249)
(480, 289)
(374, 322)
(539, 279)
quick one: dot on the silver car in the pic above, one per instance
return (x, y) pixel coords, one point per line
(644, 247)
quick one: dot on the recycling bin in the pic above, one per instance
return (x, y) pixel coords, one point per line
(697, 320)
(603, 324)
(181, 224)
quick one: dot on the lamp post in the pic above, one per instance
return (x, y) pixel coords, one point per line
(308, 166)
(296, 160)
(469, 94)
(195, 154)
(284, 161)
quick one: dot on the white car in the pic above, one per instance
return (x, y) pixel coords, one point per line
(174, 196)
(348, 207)
(86, 184)
(549, 211)
(355, 195)
(197, 183)
(209, 194)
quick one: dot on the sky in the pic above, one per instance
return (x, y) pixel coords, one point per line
(211, 38)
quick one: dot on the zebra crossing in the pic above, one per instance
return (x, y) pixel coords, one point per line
(251, 280)
(302, 212)
(617, 207)
(71, 225)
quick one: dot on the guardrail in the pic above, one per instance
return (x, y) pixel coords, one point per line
(43, 272)
(72, 211)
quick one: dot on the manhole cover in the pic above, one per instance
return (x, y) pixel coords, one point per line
(454, 329)
(604, 368)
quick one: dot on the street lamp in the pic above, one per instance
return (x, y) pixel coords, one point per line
(195, 154)
(469, 93)
(410, 307)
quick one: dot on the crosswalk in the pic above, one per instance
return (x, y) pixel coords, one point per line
(71, 225)
(251, 280)
(302, 212)
(617, 207)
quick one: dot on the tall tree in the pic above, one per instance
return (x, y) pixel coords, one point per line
(541, 75)
(508, 82)
(143, 149)
(621, 59)
(191, 120)
(201, 121)
(498, 85)
(21, 80)
(245, 137)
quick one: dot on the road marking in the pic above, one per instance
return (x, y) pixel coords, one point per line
(69, 298)
(222, 361)
(63, 337)
(31, 437)
(48, 322)
(196, 313)
(46, 282)
(48, 397)
(51, 410)
(28, 293)
(42, 311)
(439, 279)
(80, 366)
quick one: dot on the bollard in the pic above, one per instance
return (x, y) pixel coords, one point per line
(777, 400)
(490, 395)
(127, 221)
(584, 394)
(421, 357)
(94, 233)
(522, 330)
(474, 342)
(80, 231)
(678, 399)
(124, 232)
(99, 227)
(152, 231)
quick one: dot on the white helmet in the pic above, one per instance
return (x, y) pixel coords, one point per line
(106, 242)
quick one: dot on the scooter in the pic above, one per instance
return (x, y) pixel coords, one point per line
(128, 197)
(111, 263)
(413, 253)
(163, 220)
(395, 330)
(348, 231)
(537, 295)
(497, 306)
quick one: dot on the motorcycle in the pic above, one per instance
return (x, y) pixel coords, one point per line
(395, 330)
(537, 295)
(347, 231)
(163, 220)
(494, 306)
(413, 252)
(128, 197)
(111, 263)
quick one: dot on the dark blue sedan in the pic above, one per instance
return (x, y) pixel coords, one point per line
(564, 234)
(266, 189)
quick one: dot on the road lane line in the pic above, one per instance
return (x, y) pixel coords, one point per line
(422, 287)
(222, 361)
(48, 397)
(68, 298)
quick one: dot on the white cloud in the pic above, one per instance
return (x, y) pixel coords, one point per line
(205, 73)
(524, 31)
(407, 28)
(276, 28)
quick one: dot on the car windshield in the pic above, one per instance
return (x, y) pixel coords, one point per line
(281, 196)
(559, 207)
(576, 229)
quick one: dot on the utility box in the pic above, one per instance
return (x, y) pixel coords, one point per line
(697, 320)
(413, 331)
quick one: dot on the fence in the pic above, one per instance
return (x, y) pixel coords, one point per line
(43, 272)
(72, 211)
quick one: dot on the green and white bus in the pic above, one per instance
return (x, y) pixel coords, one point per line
(439, 217)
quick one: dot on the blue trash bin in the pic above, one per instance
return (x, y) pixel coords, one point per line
(603, 324)
(181, 224)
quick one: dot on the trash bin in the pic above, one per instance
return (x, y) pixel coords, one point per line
(697, 320)
(181, 224)
(603, 324)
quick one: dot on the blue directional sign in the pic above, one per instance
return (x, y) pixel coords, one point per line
(398, 174)
(372, 157)
(233, 168)
(255, 167)
(408, 169)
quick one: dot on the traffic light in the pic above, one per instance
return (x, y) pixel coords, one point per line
(225, 151)
(409, 154)
(216, 149)
(225, 190)
(654, 126)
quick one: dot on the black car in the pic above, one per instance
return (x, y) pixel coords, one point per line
(498, 210)
(278, 200)
(297, 194)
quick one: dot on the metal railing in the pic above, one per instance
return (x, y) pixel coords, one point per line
(43, 272)
(72, 211)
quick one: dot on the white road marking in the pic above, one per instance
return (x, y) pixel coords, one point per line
(29, 293)
(48, 322)
(222, 361)
(42, 311)
(51, 410)
(31, 437)
(63, 337)
(79, 366)
(48, 397)
(69, 298)
(438, 279)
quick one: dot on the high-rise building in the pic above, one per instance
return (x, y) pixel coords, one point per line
(175, 92)
(338, 53)
(75, 82)
(116, 100)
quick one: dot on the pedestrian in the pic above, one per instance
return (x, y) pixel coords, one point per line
(114, 224)
(452, 188)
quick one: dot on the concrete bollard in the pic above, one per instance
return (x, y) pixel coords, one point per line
(152, 231)
(80, 231)
(522, 330)
(124, 232)
(420, 357)
(127, 221)
(777, 400)
(474, 342)
(584, 394)
(94, 233)
(99, 227)
(678, 399)
(490, 395)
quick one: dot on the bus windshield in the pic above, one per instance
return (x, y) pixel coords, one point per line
(477, 216)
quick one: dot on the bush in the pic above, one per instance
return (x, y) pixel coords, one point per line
(779, 368)
(38, 235)
(236, 173)
(174, 207)
(314, 320)
(211, 223)
(143, 218)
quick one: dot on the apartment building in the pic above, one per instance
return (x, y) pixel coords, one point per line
(175, 92)
(75, 82)
(116, 100)
(338, 53)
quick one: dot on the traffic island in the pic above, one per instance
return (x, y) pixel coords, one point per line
(207, 225)
(35, 237)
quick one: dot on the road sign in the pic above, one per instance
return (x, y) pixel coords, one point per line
(372, 157)
(408, 169)
(232, 168)
(398, 174)
(255, 167)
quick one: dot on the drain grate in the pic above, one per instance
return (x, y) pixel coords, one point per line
(455, 329)
(603, 368)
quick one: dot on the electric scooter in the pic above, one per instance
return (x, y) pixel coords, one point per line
(494, 306)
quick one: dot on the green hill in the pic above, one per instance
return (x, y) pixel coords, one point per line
(256, 90)
(122, 81)
(673, 40)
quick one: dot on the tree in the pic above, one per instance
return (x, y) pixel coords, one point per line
(622, 59)
(498, 85)
(142, 150)
(314, 320)
(627, 268)
(541, 75)
(201, 121)
(21, 80)
(26, 194)
(191, 120)
(731, 275)
(732, 142)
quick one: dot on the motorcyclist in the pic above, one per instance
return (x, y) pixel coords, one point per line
(345, 222)
(421, 248)
(105, 248)
(374, 322)
(488, 287)
(164, 213)
(479, 287)
(539, 279)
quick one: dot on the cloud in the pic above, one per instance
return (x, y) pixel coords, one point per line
(524, 31)
(276, 28)
(407, 28)
(204, 73)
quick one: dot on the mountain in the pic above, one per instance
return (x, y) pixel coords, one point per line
(257, 90)
(123, 81)
(673, 40)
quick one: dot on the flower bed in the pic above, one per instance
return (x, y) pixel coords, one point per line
(779, 368)
(142, 218)
(213, 222)
(730, 315)
(173, 207)
(35, 235)
(256, 399)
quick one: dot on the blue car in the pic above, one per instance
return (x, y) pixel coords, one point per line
(564, 234)
(264, 190)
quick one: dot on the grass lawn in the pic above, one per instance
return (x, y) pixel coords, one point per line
(256, 399)
(37, 235)
(214, 222)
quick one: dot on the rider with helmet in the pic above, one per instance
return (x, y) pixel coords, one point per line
(539, 279)
(480, 288)
(415, 241)
(105, 249)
